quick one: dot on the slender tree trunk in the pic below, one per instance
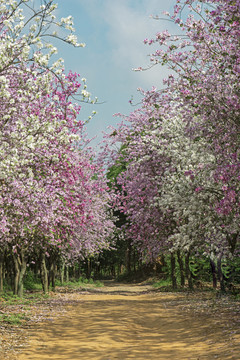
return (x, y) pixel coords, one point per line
(54, 270)
(44, 274)
(188, 272)
(62, 272)
(128, 257)
(52, 273)
(89, 268)
(113, 271)
(220, 274)
(23, 269)
(173, 271)
(67, 274)
(79, 268)
(119, 269)
(20, 265)
(97, 271)
(134, 261)
(16, 273)
(75, 273)
(214, 273)
(1, 270)
(181, 267)
(50, 265)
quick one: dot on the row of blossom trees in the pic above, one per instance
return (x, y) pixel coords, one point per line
(180, 188)
(53, 199)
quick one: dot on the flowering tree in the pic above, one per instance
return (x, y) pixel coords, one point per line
(207, 86)
(53, 196)
(25, 30)
(182, 147)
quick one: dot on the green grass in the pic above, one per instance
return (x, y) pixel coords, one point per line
(32, 282)
(98, 283)
(9, 298)
(162, 283)
(13, 319)
(33, 290)
(15, 310)
(81, 282)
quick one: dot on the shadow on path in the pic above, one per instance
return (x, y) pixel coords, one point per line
(120, 323)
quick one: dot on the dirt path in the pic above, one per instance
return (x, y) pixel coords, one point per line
(130, 322)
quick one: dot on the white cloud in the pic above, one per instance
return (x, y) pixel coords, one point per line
(128, 24)
(114, 31)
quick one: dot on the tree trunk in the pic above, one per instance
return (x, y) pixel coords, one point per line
(173, 271)
(62, 272)
(188, 272)
(52, 274)
(54, 270)
(20, 266)
(16, 273)
(119, 268)
(220, 274)
(128, 257)
(75, 273)
(134, 262)
(181, 268)
(23, 269)
(44, 274)
(89, 268)
(214, 273)
(1, 270)
(67, 274)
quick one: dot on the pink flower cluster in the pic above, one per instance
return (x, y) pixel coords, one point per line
(179, 185)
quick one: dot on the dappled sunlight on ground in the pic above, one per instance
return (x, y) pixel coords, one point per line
(120, 322)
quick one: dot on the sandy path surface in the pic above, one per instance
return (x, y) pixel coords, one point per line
(129, 322)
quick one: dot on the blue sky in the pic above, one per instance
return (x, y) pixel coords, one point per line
(113, 31)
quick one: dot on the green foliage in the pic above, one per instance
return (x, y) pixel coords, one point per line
(81, 282)
(98, 283)
(194, 267)
(31, 281)
(7, 285)
(10, 299)
(13, 319)
(162, 283)
(231, 270)
(200, 268)
(117, 168)
(166, 286)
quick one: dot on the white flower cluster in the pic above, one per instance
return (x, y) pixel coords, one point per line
(186, 190)
(72, 39)
(24, 34)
